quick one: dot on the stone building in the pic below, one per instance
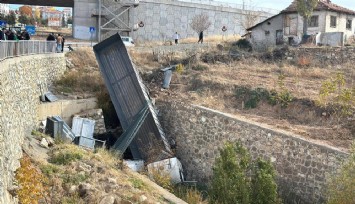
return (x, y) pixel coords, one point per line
(287, 26)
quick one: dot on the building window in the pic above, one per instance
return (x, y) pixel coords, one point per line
(333, 21)
(267, 32)
(349, 24)
(313, 21)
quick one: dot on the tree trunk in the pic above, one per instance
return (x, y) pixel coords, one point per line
(305, 25)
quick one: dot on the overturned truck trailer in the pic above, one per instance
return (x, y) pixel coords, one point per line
(142, 131)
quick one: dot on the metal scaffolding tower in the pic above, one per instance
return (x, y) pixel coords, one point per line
(116, 16)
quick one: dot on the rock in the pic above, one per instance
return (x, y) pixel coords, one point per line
(84, 188)
(108, 200)
(72, 190)
(84, 167)
(44, 143)
(112, 180)
(142, 198)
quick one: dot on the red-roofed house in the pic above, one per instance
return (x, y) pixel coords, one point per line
(288, 24)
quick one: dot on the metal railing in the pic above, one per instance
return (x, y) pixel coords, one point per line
(11, 48)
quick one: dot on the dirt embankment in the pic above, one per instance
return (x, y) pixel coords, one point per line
(274, 90)
(281, 93)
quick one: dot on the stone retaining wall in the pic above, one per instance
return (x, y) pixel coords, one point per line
(301, 165)
(19, 101)
(324, 56)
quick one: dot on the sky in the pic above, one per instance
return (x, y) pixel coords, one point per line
(273, 4)
(282, 4)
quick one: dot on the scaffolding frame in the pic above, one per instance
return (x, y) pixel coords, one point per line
(111, 17)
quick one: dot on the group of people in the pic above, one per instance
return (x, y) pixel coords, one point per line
(177, 37)
(59, 41)
(6, 34)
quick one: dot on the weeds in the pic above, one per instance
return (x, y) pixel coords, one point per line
(49, 169)
(189, 194)
(69, 178)
(31, 183)
(66, 156)
(137, 183)
(200, 67)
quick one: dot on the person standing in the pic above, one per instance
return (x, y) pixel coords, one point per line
(200, 37)
(63, 40)
(176, 37)
(59, 43)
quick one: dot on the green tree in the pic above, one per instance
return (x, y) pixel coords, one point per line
(341, 187)
(263, 185)
(63, 22)
(70, 20)
(230, 183)
(2, 16)
(24, 19)
(305, 9)
(11, 18)
(236, 179)
(44, 22)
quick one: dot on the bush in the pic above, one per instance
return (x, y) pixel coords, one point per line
(233, 183)
(69, 178)
(31, 183)
(230, 183)
(189, 194)
(64, 158)
(341, 187)
(263, 185)
(199, 67)
(137, 183)
(252, 97)
(243, 44)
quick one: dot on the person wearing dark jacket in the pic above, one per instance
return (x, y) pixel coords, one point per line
(200, 37)
(63, 40)
(51, 37)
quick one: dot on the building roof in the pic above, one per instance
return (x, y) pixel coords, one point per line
(256, 25)
(321, 6)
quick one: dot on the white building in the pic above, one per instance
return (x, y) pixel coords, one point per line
(54, 17)
(287, 26)
(4, 9)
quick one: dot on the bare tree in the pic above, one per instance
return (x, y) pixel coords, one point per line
(248, 19)
(249, 15)
(200, 23)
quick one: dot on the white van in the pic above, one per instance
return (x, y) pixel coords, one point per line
(127, 41)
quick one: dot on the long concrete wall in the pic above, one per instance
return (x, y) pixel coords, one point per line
(162, 18)
(19, 101)
(302, 166)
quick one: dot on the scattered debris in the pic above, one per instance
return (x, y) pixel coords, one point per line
(135, 165)
(171, 166)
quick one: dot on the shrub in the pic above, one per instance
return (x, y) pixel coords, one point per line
(137, 183)
(31, 183)
(69, 178)
(233, 183)
(162, 178)
(49, 169)
(263, 185)
(189, 194)
(341, 187)
(200, 67)
(230, 183)
(252, 97)
(334, 92)
(64, 158)
(243, 44)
